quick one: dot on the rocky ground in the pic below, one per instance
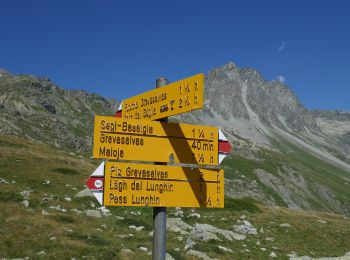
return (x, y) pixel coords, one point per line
(47, 213)
(284, 156)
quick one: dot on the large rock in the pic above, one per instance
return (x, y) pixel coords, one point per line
(177, 225)
(126, 251)
(206, 232)
(93, 213)
(25, 203)
(198, 254)
(84, 193)
(225, 249)
(169, 257)
(26, 194)
(3, 181)
(246, 228)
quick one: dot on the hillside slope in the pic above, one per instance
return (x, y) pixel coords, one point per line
(283, 153)
(41, 218)
(37, 109)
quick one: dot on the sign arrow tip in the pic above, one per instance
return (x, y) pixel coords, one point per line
(95, 182)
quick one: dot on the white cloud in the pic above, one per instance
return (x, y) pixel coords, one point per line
(282, 46)
(281, 79)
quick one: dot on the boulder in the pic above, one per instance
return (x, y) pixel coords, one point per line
(225, 249)
(177, 225)
(143, 249)
(194, 215)
(273, 254)
(84, 193)
(206, 232)
(126, 251)
(25, 194)
(198, 254)
(285, 225)
(246, 228)
(136, 228)
(93, 213)
(25, 203)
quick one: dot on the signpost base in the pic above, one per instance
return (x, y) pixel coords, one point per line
(159, 235)
(159, 213)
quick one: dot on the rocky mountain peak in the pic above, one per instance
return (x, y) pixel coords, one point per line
(4, 72)
(337, 115)
(240, 98)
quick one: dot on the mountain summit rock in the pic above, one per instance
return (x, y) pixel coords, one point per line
(242, 101)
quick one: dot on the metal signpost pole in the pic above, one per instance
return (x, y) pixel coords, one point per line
(159, 213)
(164, 143)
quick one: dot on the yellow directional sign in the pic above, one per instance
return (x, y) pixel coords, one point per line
(144, 140)
(176, 98)
(127, 184)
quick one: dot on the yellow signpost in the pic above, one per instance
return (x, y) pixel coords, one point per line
(176, 98)
(144, 140)
(137, 137)
(129, 184)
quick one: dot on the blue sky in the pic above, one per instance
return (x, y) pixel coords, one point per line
(118, 48)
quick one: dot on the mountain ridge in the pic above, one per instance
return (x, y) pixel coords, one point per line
(36, 108)
(283, 154)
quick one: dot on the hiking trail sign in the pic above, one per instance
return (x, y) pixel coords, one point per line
(154, 141)
(133, 135)
(130, 184)
(176, 98)
(224, 145)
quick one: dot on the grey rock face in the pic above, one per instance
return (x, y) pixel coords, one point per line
(331, 115)
(335, 126)
(4, 73)
(255, 113)
(236, 93)
(225, 82)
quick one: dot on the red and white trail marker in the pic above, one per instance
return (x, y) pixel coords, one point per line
(224, 145)
(119, 111)
(96, 181)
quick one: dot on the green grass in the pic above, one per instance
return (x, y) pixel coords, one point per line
(9, 196)
(318, 174)
(79, 131)
(38, 109)
(7, 143)
(245, 204)
(26, 231)
(66, 171)
(317, 171)
(246, 167)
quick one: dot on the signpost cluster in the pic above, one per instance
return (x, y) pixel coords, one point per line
(153, 163)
